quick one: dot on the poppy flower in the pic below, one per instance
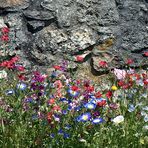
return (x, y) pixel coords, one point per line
(109, 94)
(57, 67)
(74, 88)
(98, 94)
(21, 77)
(51, 101)
(101, 103)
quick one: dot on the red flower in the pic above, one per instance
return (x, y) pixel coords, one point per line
(90, 88)
(21, 77)
(74, 88)
(146, 53)
(5, 38)
(20, 68)
(103, 64)
(101, 103)
(5, 30)
(98, 94)
(79, 58)
(129, 61)
(109, 94)
(56, 108)
(57, 67)
(51, 101)
(121, 83)
(145, 81)
(15, 59)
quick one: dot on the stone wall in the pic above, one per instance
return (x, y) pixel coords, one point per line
(46, 31)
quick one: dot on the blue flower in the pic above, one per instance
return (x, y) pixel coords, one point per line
(67, 126)
(84, 117)
(73, 93)
(146, 118)
(21, 86)
(78, 108)
(52, 135)
(131, 108)
(60, 132)
(9, 92)
(69, 107)
(66, 135)
(90, 105)
(64, 112)
(28, 100)
(97, 120)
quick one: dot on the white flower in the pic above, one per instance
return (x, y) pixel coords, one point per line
(118, 119)
(3, 74)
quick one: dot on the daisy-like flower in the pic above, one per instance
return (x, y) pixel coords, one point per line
(85, 117)
(118, 119)
(97, 120)
(21, 86)
(90, 105)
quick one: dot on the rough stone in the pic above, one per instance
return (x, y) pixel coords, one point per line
(48, 30)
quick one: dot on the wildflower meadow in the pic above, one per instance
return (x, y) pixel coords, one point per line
(62, 110)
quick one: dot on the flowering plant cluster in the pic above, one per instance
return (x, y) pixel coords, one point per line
(57, 109)
(60, 110)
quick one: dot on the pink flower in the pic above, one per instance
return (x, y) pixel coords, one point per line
(120, 74)
(103, 64)
(5, 30)
(129, 61)
(5, 38)
(146, 53)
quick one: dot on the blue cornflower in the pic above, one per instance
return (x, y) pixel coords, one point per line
(78, 108)
(67, 126)
(64, 112)
(131, 108)
(9, 92)
(66, 135)
(69, 107)
(21, 86)
(90, 105)
(60, 132)
(97, 120)
(84, 117)
(52, 135)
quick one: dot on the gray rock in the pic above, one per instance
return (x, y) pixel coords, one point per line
(47, 30)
